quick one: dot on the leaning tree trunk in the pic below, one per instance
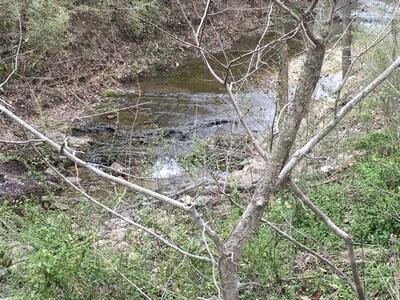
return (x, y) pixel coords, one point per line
(283, 75)
(395, 34)
(346, 25)
(232, 249)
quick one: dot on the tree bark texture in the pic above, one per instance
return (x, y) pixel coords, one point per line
(239, 236)
(346, 43)
(283, 76)
(395, 34)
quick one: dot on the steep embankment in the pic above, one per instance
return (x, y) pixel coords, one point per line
(68, 51)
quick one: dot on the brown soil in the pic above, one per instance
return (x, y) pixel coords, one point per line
(70, 79)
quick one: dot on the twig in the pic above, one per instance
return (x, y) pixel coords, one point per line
(300, 153)
(189, 208)
(200, 28)
(329, 263)
(309, 34)
(357, 287)
(377, 40)
(303, 247)
(213, 267)
(311, 7)
(260, 40)
(203, 225)
(16, 55)
(90, 167)
(122, 275)
(288, 10)
(118, 215)
(249, 133)
(287, 36)
(22, 142)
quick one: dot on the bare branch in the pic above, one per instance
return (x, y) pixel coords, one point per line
(249, 133)
(311, 7)
(288, 10)
(91, 167)
(203, 225)
(213, 267)
(270, 9)
(261, 62)
(123, 276)
(16, 55)
(22, 142)
(114, 213)
(300, 153)
(312, 252)
(201, 25)
(315, 41)
(377, 40)
(338, 232)
(303, 247)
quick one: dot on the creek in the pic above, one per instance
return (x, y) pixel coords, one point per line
(176, 109)
(179, 107)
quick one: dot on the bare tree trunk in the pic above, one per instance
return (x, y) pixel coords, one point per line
(346, 25)
(283, 76)
(395, 34)
(243, 230)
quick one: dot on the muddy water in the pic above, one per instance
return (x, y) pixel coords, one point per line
(182, 105)
(175, 109)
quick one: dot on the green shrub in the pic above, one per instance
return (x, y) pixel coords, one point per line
(47, 23)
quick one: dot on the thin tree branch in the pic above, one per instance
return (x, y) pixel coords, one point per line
(187, 207)
(309, 34)
(303, 247)
(123, 276)
(22, 142)
(311, 7)
(203, 225)
(261, 62)
(288, 10)
(338, 232)
(91, 167)
(118, 215)
(312, 252)
(260, 41)
(300, 153)
(16, 55)
(377, 40)
(213, 267)
(201, 25)
(249, 133)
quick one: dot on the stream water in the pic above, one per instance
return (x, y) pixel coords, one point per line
(175, 109)
(183, 105)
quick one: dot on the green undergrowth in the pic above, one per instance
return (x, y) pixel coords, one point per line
(54, 254)
(364, 201)
(49, 253)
